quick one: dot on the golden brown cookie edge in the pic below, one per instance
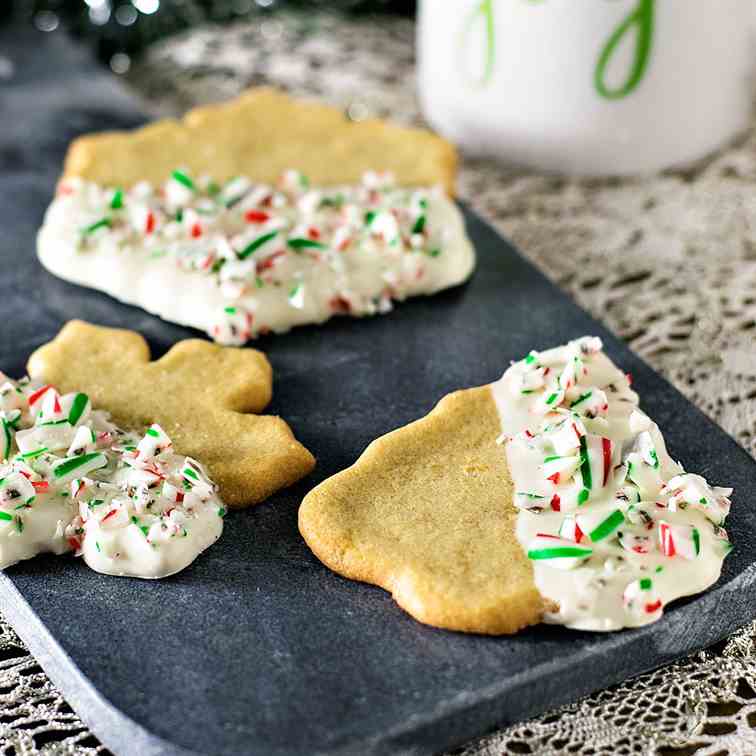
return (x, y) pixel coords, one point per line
(524, 610)
(88, 155)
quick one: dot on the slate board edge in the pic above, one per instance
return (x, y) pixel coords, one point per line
(439, 729)
(442, 729)
(119, 733)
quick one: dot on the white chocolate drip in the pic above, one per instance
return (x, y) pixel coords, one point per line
(70, 480)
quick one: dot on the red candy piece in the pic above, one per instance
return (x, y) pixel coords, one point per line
(256, 216)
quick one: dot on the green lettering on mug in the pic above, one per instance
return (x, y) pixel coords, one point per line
(483, 11)
(641, 21)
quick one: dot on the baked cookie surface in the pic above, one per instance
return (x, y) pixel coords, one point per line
(261, 134)
(427, 513)
(205, 397)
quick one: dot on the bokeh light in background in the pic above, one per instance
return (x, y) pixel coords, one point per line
(119, 29)
(147, 6)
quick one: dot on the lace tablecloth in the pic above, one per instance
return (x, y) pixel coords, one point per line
(668, 263)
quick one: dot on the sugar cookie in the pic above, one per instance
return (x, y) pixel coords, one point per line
(258, 215)
(205, 397)
(578, 516)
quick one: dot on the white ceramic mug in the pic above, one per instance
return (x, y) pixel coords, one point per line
(587, 86)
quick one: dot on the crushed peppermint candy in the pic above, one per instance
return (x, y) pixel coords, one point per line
(614, 528)
(70, 480)
(274, 255)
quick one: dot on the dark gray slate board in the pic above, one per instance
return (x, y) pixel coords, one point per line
(257, 648)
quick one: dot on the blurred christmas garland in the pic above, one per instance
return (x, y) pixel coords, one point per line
(120, 29)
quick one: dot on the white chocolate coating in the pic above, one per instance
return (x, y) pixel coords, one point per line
(244, 259)
(71, 480)
(614, 527)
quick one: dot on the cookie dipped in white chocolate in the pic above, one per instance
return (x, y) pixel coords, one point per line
(70, 480)
(615, 529)
(244, 259)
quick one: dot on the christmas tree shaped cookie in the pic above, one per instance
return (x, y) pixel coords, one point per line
(258, 215)
(205, 397)
(132, 463)
(546, 496)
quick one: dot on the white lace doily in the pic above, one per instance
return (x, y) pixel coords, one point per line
(679, 248)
